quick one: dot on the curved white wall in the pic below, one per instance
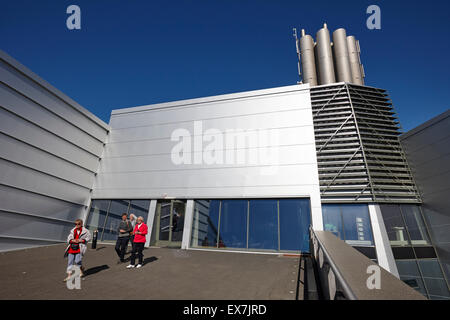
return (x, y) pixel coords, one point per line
(49, 153)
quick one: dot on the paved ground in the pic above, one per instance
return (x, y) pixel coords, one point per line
(167, 274)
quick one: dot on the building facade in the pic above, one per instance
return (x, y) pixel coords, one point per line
(427, 148)
(249, 171)
(235, 171)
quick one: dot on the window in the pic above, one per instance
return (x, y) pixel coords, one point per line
(395, 225)
(409, 273)
(139, 208)
(164, 220)
(349, 222)
(256, 224)
(415, 225)
(434, 279)
(406, 228)
(424, 275)
(294, 224)
(205, 223)
(105, 215)
(357, 228)
(179, 209)
(233, 224)
(117, 208)
(404, 225)
(332, 220)
(263, 224)
(97, 216)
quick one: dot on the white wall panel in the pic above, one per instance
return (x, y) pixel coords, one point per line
(49, 153)
(21, 177)
(31, 111)
(24, 84)
(228, 177)
(14, 243)
(16, 200)
(40, 138)
(259, 121)
(280, 191)
(33, 227)
(273, 155)
(287, 136)
(210, 108)
(137, 161)
(19, 152)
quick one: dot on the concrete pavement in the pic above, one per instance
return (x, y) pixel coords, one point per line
(167, 274)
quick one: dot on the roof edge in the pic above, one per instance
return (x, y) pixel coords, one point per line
(222, 97)
(34, 77)
(426, 125)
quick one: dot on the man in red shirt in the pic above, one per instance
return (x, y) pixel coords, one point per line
(140, 232)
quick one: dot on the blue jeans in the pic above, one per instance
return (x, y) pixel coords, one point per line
(73, 258)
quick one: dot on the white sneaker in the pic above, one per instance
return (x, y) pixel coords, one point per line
(130, 266)
(139, 265)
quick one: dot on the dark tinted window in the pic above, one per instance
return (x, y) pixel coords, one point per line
(294, 224)
(233, 224)
(263, 224)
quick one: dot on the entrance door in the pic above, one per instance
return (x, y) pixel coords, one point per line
(170, 223)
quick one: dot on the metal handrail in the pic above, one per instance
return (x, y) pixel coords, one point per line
(343, 272)
(348, 293)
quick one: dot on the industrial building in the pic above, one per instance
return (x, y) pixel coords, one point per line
(248, 172)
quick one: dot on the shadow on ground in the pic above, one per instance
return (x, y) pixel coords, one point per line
(144, 262)
(95, 270)
(149, 260)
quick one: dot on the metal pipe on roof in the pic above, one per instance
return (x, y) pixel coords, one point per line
(355, 60)
(324, 58)
(341, 56)
(308, 59)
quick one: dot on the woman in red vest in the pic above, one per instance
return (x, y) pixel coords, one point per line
(77, 239)
(140, 232)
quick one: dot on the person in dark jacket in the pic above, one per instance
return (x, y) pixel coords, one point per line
(124, 230)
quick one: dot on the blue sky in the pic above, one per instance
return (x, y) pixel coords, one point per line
(132, 52)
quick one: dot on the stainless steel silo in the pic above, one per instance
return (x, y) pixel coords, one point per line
(324, 57)
(308, 60)
(355, 61)
(341, 56)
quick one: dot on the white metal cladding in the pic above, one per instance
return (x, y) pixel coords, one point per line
(49, 153)
(137, 162)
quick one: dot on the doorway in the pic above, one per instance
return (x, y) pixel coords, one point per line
(170, 223)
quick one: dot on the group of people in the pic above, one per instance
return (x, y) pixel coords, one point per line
(136, 232)
(132, 228)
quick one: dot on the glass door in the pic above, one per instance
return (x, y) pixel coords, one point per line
(170, 222)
